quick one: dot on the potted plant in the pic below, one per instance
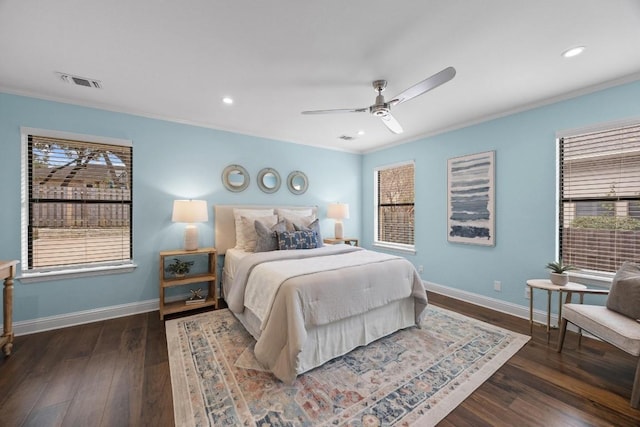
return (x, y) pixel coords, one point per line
(179, 268)
(559, 275)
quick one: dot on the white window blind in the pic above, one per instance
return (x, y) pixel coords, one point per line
(600, 198)
(395, 204)
(79, 204)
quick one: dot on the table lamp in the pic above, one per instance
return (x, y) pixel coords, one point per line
(190, 211)
(338, 211)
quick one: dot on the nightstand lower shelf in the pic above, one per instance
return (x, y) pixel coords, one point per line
(180, 306)
(208, 277)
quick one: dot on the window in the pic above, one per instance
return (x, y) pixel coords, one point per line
(77, 202)
(394, 198)
(600, 198)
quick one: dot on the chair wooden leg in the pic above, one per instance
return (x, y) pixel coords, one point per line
(562, 333)
(635, 392)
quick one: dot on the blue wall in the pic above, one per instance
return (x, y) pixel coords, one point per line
(170, 161)
(179, 161)
(525, 146)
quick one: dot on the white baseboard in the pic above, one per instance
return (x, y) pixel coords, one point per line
(66, 320)
(81, 317)
(492, 303)
(521, 311)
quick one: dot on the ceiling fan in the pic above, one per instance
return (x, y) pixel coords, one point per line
(382, 109)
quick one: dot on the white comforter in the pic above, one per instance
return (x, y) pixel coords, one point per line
(291, 291)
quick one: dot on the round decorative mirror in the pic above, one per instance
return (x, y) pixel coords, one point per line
(235, 178)
(297, 182)
(269, 180)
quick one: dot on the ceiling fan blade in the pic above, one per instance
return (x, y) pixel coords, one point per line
(338, 111)
(392, 123)
(425, 85)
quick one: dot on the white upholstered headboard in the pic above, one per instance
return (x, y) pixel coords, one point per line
(225, 226)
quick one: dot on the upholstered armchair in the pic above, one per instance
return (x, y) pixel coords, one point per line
(617, 322)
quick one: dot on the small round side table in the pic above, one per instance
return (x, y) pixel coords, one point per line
(546, 284)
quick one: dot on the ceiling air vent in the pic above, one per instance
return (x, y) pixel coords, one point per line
(80, 81)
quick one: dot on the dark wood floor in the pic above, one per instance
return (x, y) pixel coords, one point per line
(116, 373)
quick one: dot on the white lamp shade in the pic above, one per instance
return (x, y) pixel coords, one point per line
(338, 211)
(190, 211)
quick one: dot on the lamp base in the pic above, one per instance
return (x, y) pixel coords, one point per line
(190, 237)
(338, 230)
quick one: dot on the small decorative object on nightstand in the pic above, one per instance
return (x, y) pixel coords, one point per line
(346, 240)
(179, 268)
(196, 297)
(196, 300)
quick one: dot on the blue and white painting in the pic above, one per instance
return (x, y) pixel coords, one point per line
(471, 199)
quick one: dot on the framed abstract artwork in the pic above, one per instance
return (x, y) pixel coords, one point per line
(471, 199)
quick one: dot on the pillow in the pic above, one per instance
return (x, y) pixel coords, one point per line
(249, 230)
(303, 221)
(297, 240)
(268, 236)
(624, 296)
(314, 226)
(298, 216)
(285, 213)
(238, 213)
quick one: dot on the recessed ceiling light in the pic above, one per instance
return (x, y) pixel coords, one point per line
(361, 132)
(227, 100)
(574, 51)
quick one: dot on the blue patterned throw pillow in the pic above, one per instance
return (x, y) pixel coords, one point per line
(314, 226)
(297, 240)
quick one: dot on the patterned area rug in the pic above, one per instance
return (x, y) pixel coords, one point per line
(412, 377)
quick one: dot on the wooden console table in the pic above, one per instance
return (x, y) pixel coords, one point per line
(7, 273)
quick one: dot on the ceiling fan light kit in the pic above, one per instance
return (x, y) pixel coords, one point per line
(382, 109)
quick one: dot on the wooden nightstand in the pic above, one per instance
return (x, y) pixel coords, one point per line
(346, 240)
(207, 277)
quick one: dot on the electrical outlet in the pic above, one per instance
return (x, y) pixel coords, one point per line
(527, 292)
(420, 269)
(497, 286)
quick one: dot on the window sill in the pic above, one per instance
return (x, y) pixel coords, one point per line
(396, 247)
(591, 279)
(31, 277)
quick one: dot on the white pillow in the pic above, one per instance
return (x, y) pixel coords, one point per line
(238, 213)
(284, 213)
(248, 229)
(302, 217)
(302, 221)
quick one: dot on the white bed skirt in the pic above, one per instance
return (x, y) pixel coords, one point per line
(329, 341)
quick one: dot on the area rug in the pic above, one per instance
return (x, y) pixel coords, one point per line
(412, 377)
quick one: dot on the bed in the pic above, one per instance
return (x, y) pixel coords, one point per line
(305, 307)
